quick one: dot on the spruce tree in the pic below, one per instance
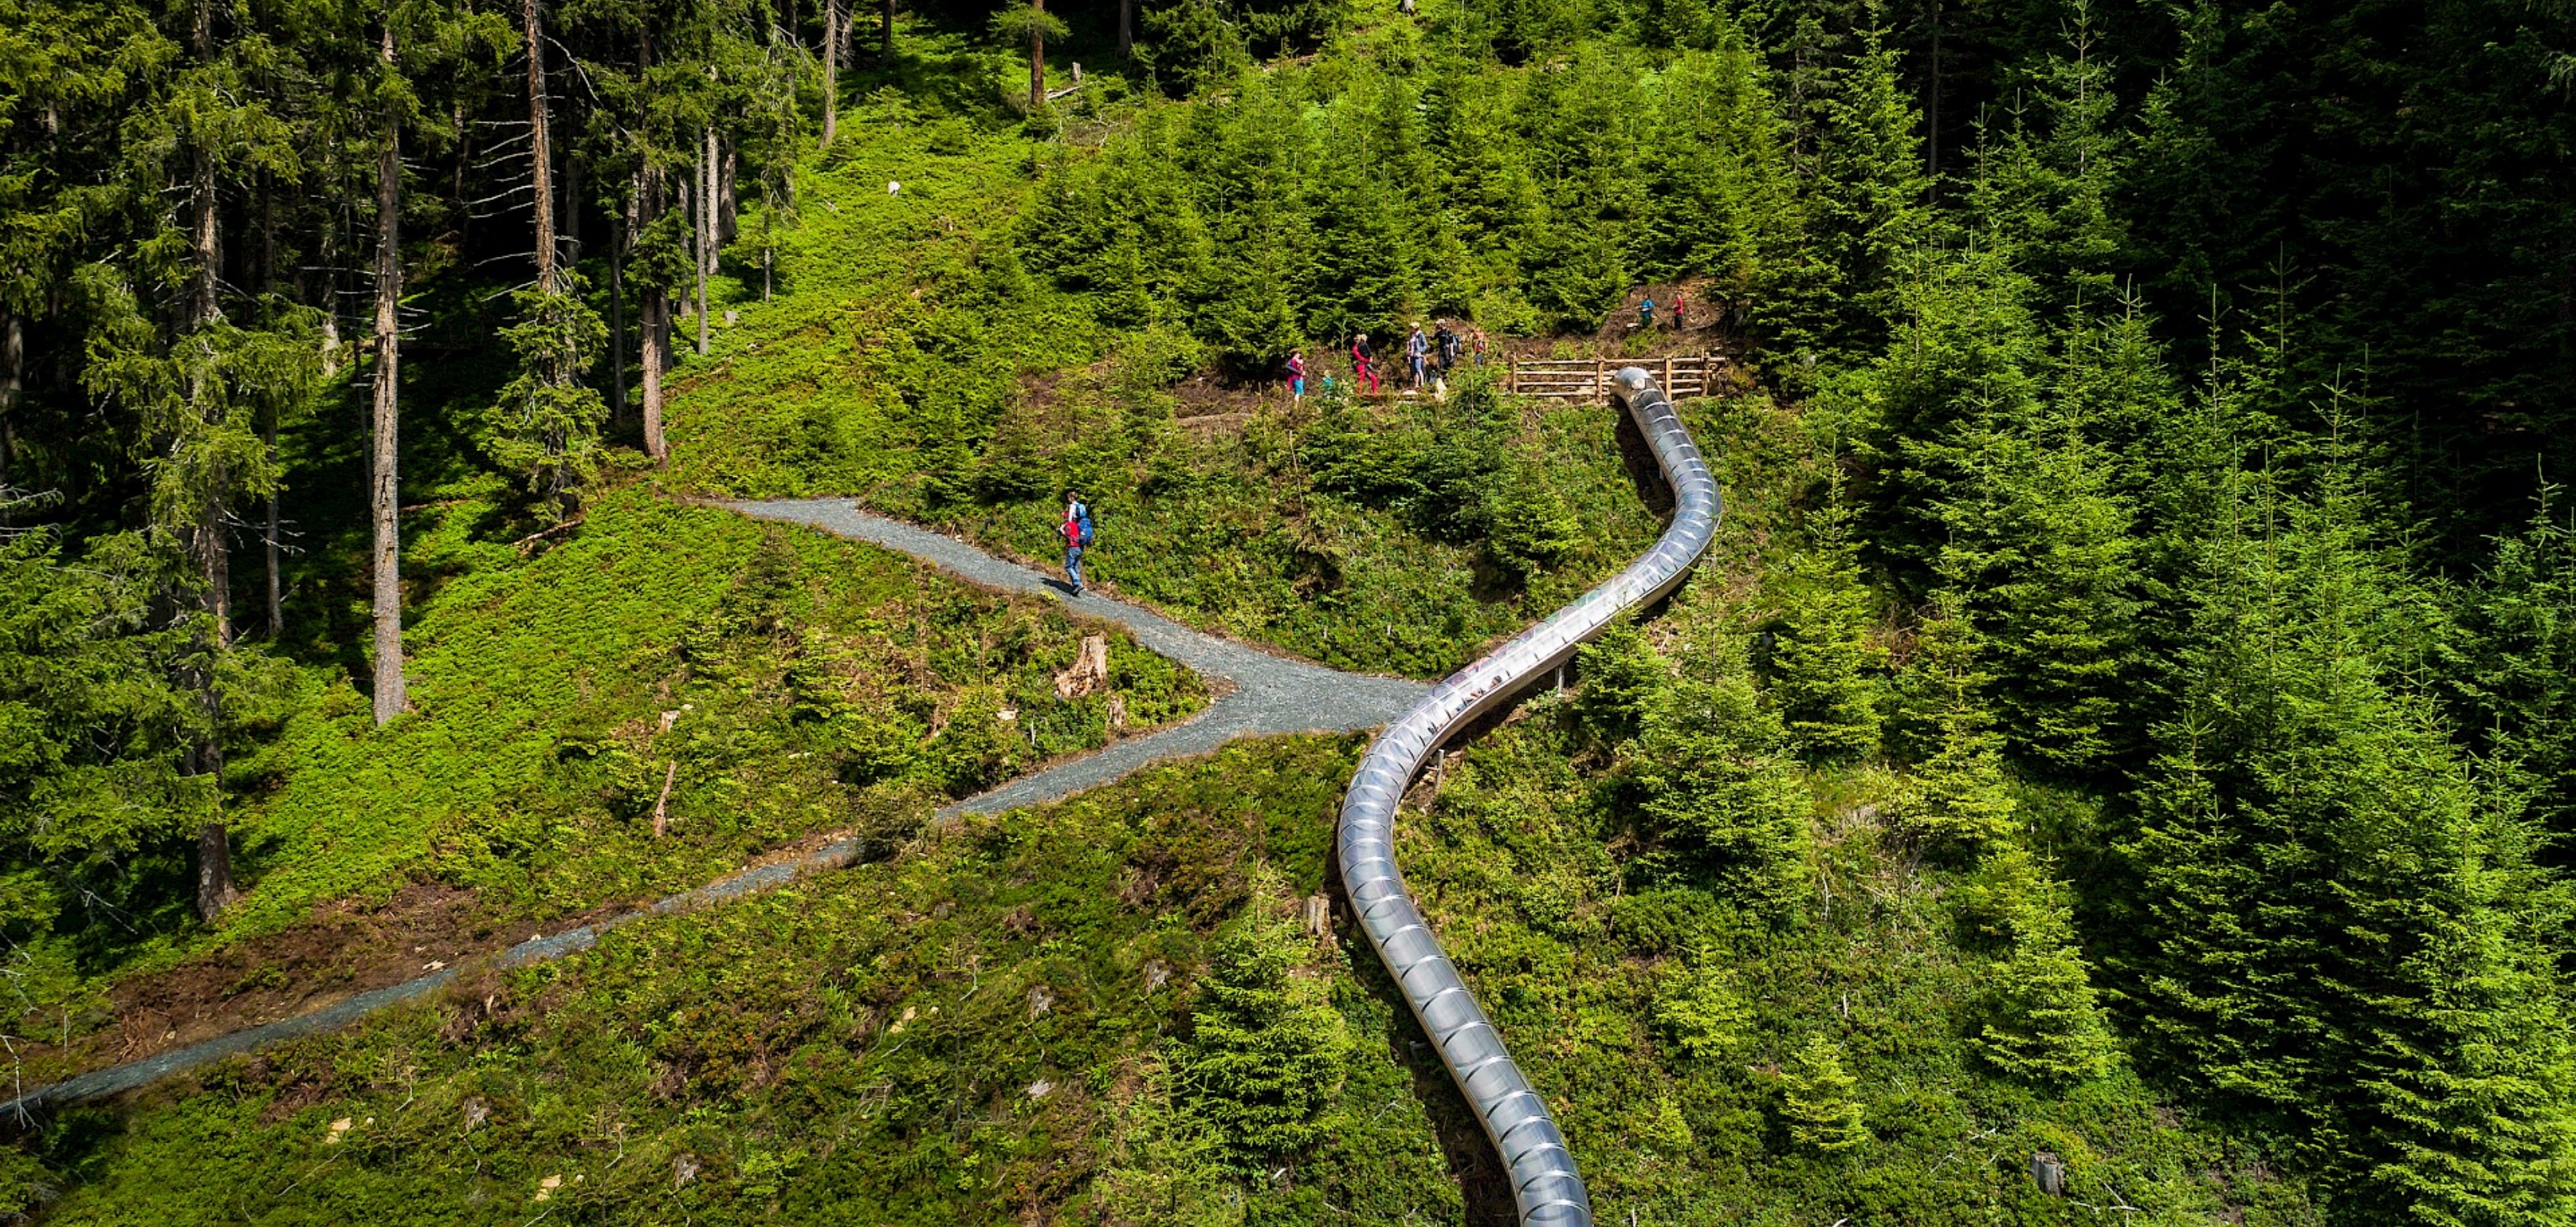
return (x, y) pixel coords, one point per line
(1824, 662)
(93, 779)
(2335, 933)
(1265, 1050)
(1699, 1008)
(2039, 549)
(545, 425)
(1969, 357)
(2037, 1016)
(1956, 799)
(1816, 1099)
(1868, 192)
(1716, 779)
(2046, 171)
(2517, 681)
(1624, 681)
(1723, 201)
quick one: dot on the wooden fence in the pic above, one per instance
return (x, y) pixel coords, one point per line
(1680, 376)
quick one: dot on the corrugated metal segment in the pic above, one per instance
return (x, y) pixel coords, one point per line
(1545, 1185)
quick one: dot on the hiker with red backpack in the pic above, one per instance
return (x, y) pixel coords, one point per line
(1077, 538)
(1297, 376)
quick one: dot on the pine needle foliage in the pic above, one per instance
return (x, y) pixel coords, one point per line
(1700, 1008)
(2516, 678)
(1816, 1098)
(545, 426)
(2337, 913)
(1265, 1045)
(1826, 666)
(2038, 1017)
(1958, 800)
(1708, 764)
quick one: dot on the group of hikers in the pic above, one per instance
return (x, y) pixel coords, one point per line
(1680, 312)
(1427, 358)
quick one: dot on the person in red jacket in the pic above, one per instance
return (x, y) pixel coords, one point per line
(1360, 372)
(1077, 534)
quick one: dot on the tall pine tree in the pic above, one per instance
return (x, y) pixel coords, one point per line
(2338, 933)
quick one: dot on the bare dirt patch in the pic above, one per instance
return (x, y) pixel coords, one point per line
(344, 948)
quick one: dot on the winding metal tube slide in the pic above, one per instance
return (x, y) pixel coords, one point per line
(1545, 1186)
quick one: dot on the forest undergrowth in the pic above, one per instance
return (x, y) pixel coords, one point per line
(635, 711)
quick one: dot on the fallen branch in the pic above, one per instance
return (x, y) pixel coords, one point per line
(662, 804)
(543, 533)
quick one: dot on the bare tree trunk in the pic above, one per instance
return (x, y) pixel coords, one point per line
(685, 199)
(657, 359)
(267, 285)
(541, 150)
(215, 890)
(570, 214)
(464, 148)
(728, 197)
(706, 231)
(885, 30)
(202, 308)
(209, 545)
(206, 756)
(276, 583)
(1126, 29)
(656, 304)
(330, 242)
(831, 71)
(267, 235)
(657, 332)
(1037, 56)
(13, 366)
(619, 228)
(382, 479)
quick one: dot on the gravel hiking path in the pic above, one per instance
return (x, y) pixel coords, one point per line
(1270, 693)
(1263, 694)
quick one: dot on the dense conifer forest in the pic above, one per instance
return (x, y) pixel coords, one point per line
(2125, 730)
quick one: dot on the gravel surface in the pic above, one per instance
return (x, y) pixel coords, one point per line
(1270, 695)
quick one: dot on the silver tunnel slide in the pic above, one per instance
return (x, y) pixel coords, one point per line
(1545, 1186)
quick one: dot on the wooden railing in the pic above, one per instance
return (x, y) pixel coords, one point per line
(1680, 376)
